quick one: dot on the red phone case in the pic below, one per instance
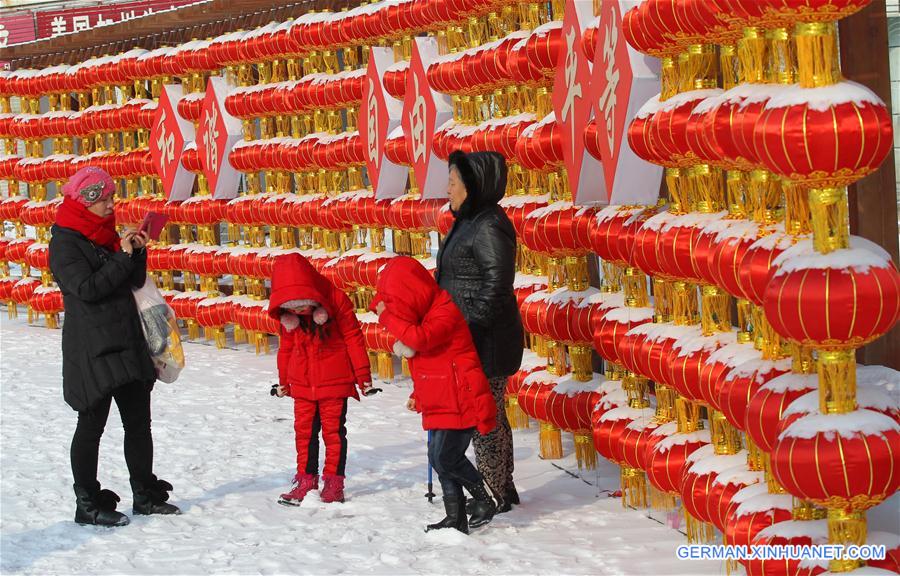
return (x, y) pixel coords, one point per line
(153, 224)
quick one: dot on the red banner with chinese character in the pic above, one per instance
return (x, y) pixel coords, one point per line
(56, 22)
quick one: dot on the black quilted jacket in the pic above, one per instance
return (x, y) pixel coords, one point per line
(102, 342)
(477, 264)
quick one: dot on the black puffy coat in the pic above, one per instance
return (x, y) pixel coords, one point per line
(477, 264)
(103, 343)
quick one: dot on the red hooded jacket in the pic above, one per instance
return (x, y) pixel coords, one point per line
(317, 368)
(449, 385)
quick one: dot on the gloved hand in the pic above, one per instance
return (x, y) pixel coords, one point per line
(367, 390)
(279, 390)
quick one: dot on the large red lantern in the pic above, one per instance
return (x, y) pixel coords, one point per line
(742, 382)
(824, 137)
(841, 300)
(666, 457)
(767, 405)
(753, 509)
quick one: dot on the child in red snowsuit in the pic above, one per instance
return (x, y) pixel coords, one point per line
(322, 359)
(450, 389)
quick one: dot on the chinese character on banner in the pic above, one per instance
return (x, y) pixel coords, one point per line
(80, 23)
(572, 106)
(622, 80)
(58, 26)
(379, 115)
(219, 132)
(101, 21)
(423, 111)
(126, 16)
(168, 136)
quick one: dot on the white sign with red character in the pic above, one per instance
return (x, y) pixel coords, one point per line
(572, 105)
(423, 111)
(219, 132)
(379, 115)
(623, 79)
(168, 137)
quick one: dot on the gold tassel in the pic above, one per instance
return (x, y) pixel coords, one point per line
(240, 335)
(697, 531)
(715, 310)
(220, 338)
(551, 442)
(765, 197)
(780, 56)
(581, 358)
(577, 276)
(193, 329)
(751, 51)
(373, 361)
(847, 528)
(684, 303)
(817, 54)
(635, 284)
(665, 404)
(585, 454)
(517, 417)
(755, 455)
(404, 367)
(556, 358)
(52, 320)
(687, 415)
(679, 191)
(830, 219)
(662, 501)
(708, 188)
(669, 78)
(726, 438)
(633, 482)
(728, 64)
(837, 381)
(12, 310)
(744, 312)
(613, 278)
(385, 366)
(662, 300)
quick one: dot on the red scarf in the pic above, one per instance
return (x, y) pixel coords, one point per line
(101, 231)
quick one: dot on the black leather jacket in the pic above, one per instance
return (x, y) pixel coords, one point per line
(476, 265)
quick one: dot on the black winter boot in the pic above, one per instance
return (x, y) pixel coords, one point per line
(511, 495)
(97, 507)
(456, 515)
(483, 509)
(150, 498)
(504, 504)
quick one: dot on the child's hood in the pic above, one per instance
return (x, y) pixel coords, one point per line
(294, 278)
(406, 288)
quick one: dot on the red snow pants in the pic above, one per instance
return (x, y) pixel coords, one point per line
(329, 416)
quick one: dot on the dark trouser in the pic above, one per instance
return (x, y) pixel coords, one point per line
(133, 401)
(494, 451)
(447, 454)
(329, 417)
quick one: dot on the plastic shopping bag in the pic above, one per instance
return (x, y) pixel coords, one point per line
(161, 331)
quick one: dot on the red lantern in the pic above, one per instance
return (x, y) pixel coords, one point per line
(839, 460)
(787, 533)
(837, 134)
(753, 509)
(840, 300)
(666, 457)
(768, 404)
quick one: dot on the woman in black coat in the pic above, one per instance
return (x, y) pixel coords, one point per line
(476, 264)
(105, 355)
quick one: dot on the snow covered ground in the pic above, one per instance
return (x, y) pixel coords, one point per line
(227, 446)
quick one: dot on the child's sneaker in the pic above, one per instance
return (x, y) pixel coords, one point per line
(303, 483)
(333, 490)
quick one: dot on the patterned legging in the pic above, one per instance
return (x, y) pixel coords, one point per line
(494, 451)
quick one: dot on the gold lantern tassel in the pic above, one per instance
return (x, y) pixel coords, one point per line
(385, 366)
(697, 531)
(830, 219)
(582, 363)
(634, 487)
(404, 367)
(847, 528)
(551, 442)
(585, 454)
(373, 362)
(193, 329)
(817, 54)
(12, 309)
(52, 320)
(240, 335)
(662, 501)
(220, 338)
(517, 417)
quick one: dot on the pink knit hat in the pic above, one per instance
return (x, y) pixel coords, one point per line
(89, 185)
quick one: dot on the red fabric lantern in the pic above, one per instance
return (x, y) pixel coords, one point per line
(742, 382)
(752, 510)
(824, 137)
(841, 300)
(769, 403)
(666, 458)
